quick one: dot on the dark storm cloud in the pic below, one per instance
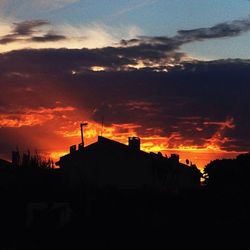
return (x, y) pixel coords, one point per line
(26, 31)
(191, 105)
(64, 59)
(194, 103)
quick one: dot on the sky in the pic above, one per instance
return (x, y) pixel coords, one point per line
(175, 73)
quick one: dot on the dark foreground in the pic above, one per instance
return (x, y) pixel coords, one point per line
(39, 210)
(112, 219)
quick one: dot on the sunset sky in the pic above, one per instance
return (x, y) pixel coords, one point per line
(176, 73)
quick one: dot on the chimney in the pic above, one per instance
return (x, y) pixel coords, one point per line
(174, 158)
(80, 146)
(134, 143)
(72, 148)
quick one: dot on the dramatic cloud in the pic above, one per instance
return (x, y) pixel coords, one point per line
(165, 50)
(197, 107)
(48, 38)
(143, 87)
(30, 117)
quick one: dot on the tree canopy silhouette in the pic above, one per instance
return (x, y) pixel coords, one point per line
(229, 174)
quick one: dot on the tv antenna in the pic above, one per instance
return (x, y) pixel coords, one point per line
(102, 125)
(84, 124)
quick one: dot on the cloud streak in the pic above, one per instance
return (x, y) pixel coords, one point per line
(167, 48)
(222, 30)
(26, 31)
(26, 28)
(133, 7)
(30, 117)
(14, 7)
(50, 37)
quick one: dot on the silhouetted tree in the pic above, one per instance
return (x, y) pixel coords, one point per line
(36, 161)
(228, 174)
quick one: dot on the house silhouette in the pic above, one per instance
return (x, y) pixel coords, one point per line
(108, 163)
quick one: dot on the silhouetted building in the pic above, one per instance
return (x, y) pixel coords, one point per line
(108, 163)
(134, 143)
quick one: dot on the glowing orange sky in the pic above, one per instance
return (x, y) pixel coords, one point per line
(144, 87)
(52, 130)
(64, 121)
(199, 155)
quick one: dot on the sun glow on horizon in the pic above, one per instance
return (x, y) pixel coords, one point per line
(97, 68)
(197, 154)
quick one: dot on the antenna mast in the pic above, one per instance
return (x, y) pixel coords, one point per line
(102, 124)
(81, 127)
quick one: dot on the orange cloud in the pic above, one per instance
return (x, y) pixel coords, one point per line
(31, 117)
(229, 123)
(218, 137)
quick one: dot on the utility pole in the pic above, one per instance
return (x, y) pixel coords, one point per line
(81, 126)
(102, 124)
